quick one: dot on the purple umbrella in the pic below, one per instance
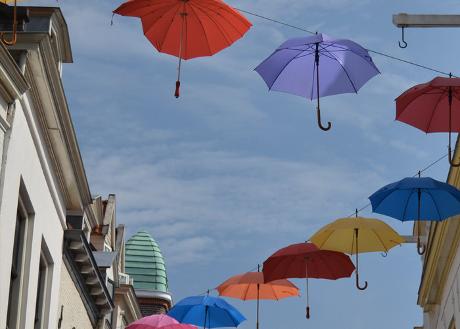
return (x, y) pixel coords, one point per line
(294, 68)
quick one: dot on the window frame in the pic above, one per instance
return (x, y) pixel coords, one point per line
(17, 299)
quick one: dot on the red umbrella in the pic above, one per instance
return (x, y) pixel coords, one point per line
(187, 28)
(305, 260)
(432, 107)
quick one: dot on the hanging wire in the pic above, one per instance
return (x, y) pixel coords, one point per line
(415, 175)
(207, 291)
(369, 50)
(356, 210)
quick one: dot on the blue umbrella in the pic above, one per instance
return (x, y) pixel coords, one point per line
(294, 68)
(206, 311)
(416, 199)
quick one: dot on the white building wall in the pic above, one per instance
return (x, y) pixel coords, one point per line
(23, 162)
(74, 313)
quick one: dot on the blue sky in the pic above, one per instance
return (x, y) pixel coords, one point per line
(229, 173)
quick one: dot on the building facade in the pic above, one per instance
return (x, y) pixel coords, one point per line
(62, 251)
(439, 292)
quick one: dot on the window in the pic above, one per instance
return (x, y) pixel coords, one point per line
(16, 271)
(43, 288)
(19, 265)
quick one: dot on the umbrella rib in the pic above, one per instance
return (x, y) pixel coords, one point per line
(348, 76)
(167, 31)
(313, 80)
(229, 41)
(247, 290)
(434, 110)
(420, 93)
(330, 269)
(381, 241)
(405, 207)
(327, 239)
(202, 27)
(274, 292)
(281, 71)
(435, 204)
(212, 20)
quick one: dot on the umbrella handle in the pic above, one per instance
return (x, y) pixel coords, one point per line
(451, 160)
(421, 249)
(308, 312)
(177, 92)
(320, 125)
(384, 254)
(357, 283)
(357, 265)
(14, 38)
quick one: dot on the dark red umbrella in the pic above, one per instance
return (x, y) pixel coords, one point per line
(432, 107)
(305, 260)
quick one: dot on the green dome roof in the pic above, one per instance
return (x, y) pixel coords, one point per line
(145, 264)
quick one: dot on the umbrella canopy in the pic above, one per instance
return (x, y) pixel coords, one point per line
(432, 107)
(206, 311)
(416, 199)
(305, 260)
(159, 321)
(187, 28)
(294, 68)
(357, 235)
(251, 286)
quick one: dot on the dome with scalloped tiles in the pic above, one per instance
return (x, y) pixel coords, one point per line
(145, 263)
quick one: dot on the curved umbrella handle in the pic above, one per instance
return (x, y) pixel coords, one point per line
(14, 38)
(320, 125)
(384, 254)
(357, 283)
(421, 250)
(451, 161)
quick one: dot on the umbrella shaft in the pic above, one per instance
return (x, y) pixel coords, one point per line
(257, 323)
(317, 74)
(183, 16)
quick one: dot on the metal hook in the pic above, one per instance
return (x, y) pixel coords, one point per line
(15, 25)
(320, 125)
(404, 43)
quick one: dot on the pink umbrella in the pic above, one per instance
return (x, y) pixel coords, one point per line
(159, 321)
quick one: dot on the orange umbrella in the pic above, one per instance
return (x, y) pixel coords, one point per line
(251, 286)
(187, 28)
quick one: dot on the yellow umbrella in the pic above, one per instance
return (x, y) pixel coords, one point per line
(357, 235)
